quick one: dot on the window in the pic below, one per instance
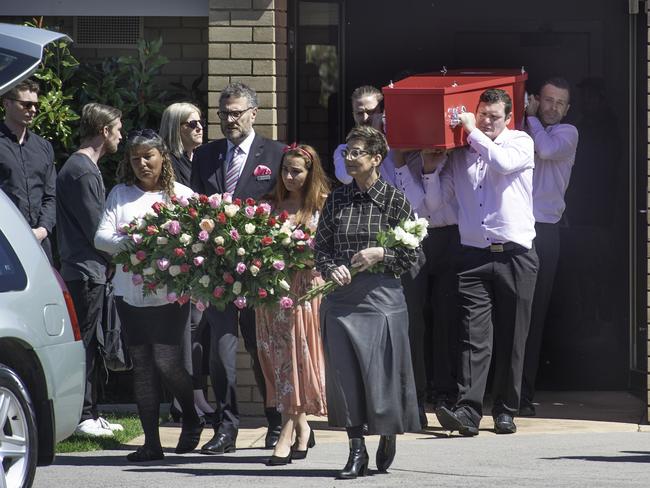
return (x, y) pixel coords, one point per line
(12, 274)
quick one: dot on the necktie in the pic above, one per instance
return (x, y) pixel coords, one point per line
(234, 169)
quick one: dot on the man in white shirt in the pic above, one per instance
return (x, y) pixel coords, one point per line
(555, 152)
(492, 181)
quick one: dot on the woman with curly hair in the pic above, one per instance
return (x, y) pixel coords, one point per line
(288, 341)
(154, 327)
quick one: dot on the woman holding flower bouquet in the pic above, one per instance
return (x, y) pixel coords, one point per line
(369, 376)
(288, 340)
(154, 326)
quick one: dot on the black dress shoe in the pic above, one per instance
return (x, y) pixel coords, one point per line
(272, 436)
(189, 438)
(297, 454)
(386, 452)
(504, 424)
(357, 464)
(279, 461)
(457, 420)
(527, 410)
(220, 444)
(144, 454)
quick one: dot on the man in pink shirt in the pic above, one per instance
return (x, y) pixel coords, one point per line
(555, 152)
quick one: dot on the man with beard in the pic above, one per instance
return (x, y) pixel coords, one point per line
(492, 181)
(27, 173)
(80, 197)
(245, 165)
(555, 153)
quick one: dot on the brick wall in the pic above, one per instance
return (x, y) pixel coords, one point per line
(184, 43)
(248, 43)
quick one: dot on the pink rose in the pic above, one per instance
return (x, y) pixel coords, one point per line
(311, 243)
(172, 297)
(279, 265)
(200, 306)
(241, 267)
(215, 200)
(183, 201)
(198, 260)
(286, 302)
(141, 255)
(234, 235)
(218, 291)
(203, 236)
(174, 227)
(185, 268)
(240, 302)
(250, 212)
(183, 299)
(265, 207)
(137, 279)
(226, 198)
(137, 238)
(163, 264)
(298, 234)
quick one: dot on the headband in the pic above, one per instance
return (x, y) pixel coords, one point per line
(295, 147)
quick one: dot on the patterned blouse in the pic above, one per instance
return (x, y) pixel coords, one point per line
(352, 219)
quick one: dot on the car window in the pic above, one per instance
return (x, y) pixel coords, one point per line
(12, 273)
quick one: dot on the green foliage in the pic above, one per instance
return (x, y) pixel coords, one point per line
(79, 443)
(56, 118)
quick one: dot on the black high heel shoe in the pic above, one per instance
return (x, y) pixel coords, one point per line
(357, 464)
(297, 454)
(279, 461)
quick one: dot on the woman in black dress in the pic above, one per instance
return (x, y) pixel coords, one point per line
(368, 373)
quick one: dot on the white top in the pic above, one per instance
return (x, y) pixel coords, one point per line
(555, 153)
(492, 182)
(245, 146)
(124, 203)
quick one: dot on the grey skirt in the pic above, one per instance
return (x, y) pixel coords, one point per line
(368, 371)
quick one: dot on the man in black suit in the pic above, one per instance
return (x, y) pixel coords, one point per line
(229, 166)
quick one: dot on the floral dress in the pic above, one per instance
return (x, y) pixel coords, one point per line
(290, 350)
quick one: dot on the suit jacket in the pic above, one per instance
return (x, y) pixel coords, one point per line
(209, 168)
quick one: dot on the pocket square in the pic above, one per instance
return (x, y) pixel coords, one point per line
(262, 170)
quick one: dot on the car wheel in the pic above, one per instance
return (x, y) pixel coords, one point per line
(18, 436)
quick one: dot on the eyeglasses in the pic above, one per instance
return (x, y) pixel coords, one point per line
(144, 133)
(234, 114)
(353, 153)
(194, 124)
(26, 104)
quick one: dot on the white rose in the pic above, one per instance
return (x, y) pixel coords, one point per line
(185, 239)
(161, 241)
(174, 270)
(198, 247)
(165, 225)
(241, 251)
(150, 215)
(141, 223)
(249, 228)
(254, 270)
(230, 210)
(271, 291)
(286, 241)
(284, 285)
(204, 280)
(148, 271)
(236, 287)
(134, 260)
(218, 241)
(411, 241)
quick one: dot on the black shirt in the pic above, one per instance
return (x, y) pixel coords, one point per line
(352, 219)
(28, 176)
(80, 197)
(182, 168)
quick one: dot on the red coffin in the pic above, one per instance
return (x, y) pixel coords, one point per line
(420, 110)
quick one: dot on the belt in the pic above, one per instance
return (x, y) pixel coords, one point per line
(502, 247)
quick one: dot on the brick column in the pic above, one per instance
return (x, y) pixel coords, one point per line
(247, 42)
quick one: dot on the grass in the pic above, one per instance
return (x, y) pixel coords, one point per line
(79, 443)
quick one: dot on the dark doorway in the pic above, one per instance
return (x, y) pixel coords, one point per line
(589, 336)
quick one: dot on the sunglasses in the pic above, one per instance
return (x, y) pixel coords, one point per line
(26, 104)
(234, 114)
(144, 133)
(195, 124)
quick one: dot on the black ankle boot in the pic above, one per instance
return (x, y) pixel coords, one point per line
(357, 464)
(386, 452)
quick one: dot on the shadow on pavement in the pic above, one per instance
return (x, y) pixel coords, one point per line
(637, 457)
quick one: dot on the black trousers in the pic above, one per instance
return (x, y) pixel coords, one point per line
(223, 365)
(192, 347)
(435, 285)
(88, 299)
(547, 245)
(496, 294)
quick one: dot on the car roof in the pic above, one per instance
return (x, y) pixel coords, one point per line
(21, 50)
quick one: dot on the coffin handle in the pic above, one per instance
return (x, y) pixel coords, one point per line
(453, 113)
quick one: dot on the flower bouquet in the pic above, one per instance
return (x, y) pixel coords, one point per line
(408, 233)
(215, 250)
